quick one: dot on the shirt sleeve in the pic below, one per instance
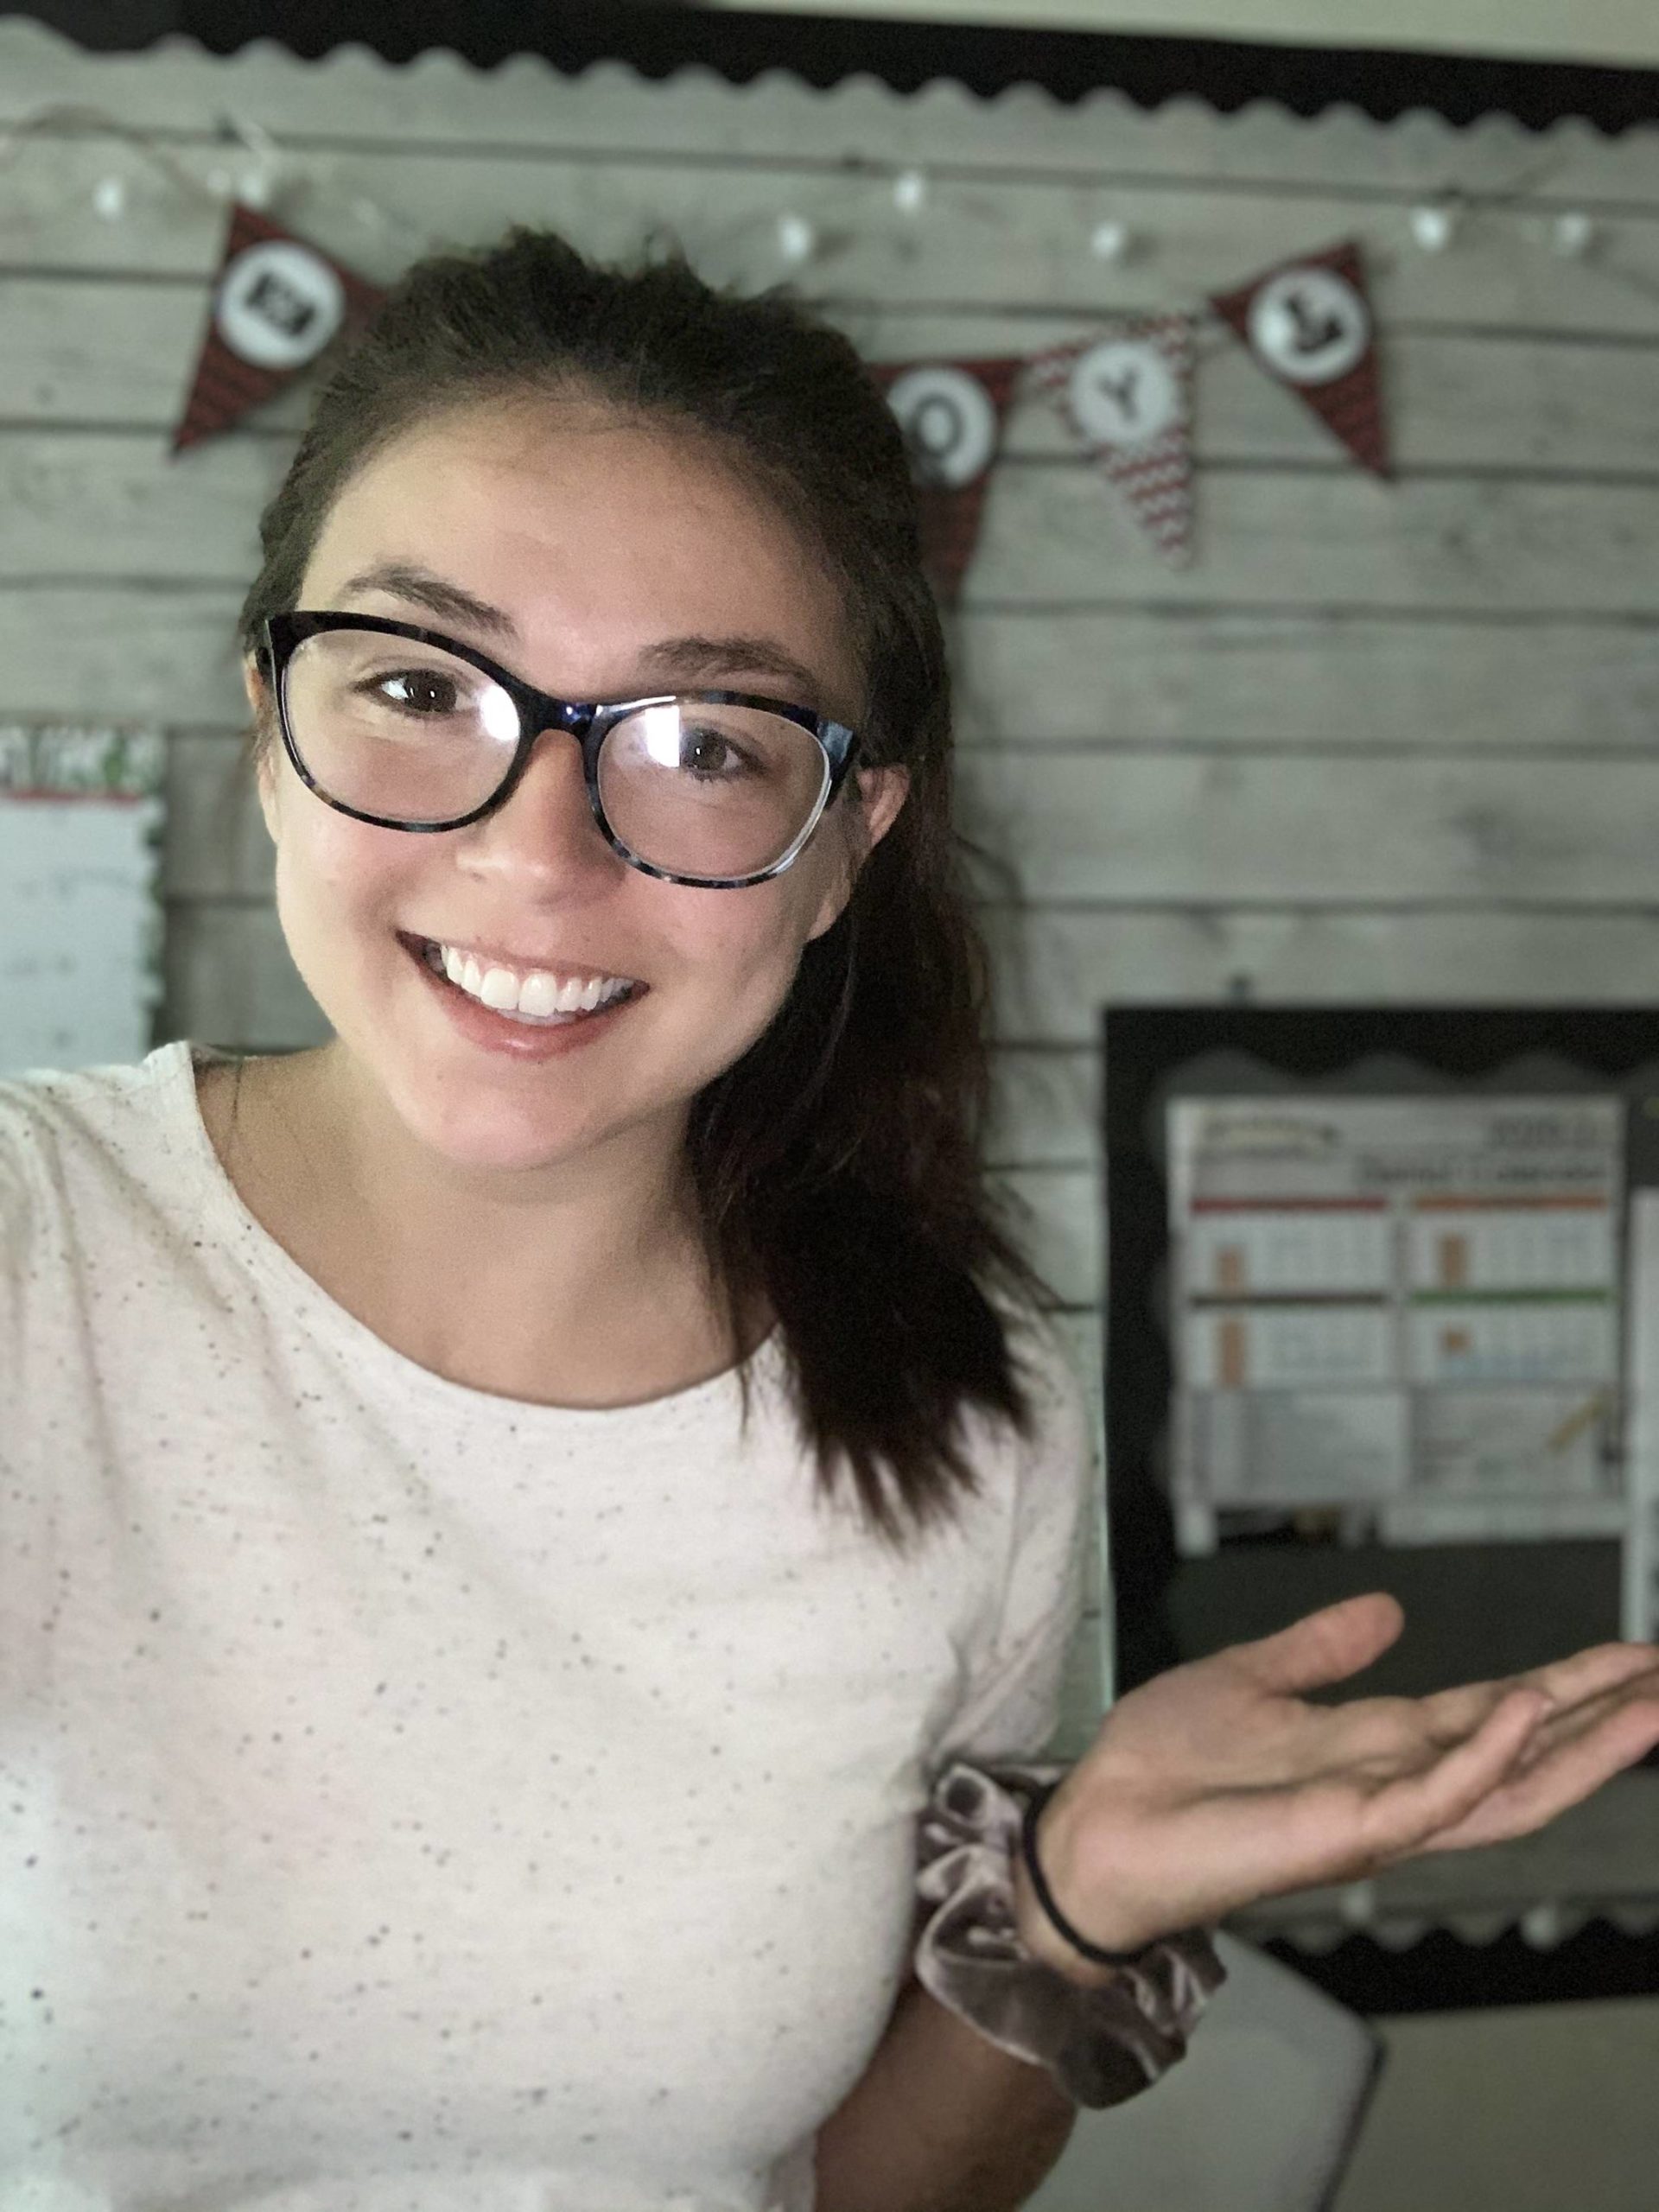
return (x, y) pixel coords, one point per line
(1013, 1706)
(20, 1207)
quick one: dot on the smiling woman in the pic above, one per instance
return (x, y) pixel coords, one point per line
(542, 1530)
(518, 1501)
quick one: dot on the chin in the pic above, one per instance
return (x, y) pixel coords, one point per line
(495, 1135)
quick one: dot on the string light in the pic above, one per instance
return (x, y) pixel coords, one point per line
(910, 192)
(1573, 235)
(258, 184)
(797, 239)
(257, 187)
(1111, 241)
(1434, 224)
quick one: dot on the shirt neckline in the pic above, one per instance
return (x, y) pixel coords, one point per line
(178, 1062)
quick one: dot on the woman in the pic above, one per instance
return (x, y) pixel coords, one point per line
(512, 1506)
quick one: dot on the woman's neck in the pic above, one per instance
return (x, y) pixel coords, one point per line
(587, 1288)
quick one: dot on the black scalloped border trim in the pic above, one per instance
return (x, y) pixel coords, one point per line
(822, 50)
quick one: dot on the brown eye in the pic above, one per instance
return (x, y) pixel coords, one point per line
(710, 752)
(424, 690)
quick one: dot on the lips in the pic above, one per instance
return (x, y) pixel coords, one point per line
(519, 1037)
(559, 966)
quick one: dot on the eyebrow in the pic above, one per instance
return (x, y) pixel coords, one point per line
(691, 660)
(402, 580)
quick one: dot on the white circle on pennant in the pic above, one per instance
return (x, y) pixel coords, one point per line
(279, 303)
(1123, 392)
(948, 422)
(1310, 324)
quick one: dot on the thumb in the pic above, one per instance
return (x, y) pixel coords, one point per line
(1326, 1646)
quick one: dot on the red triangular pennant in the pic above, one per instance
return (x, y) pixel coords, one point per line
(277, 302)
(951, 415)
(1309, 323)
(1126, 394)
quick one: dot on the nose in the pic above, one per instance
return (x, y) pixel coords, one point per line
(545, 827)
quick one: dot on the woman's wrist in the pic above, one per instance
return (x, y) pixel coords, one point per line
(1037, 1931)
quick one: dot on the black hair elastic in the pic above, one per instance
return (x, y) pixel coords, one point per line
(1035, 1805)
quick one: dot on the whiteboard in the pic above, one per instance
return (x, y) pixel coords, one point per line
(80, 921)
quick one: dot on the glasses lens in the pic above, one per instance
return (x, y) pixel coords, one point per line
(710, 791)
(397, 728)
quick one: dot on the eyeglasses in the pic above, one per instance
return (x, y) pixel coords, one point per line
(409, 729)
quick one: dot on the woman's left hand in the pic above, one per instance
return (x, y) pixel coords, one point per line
(1215, 1784)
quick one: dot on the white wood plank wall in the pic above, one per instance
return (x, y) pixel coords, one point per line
(1381, 742)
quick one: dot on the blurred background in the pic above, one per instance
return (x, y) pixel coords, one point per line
(1351, 707)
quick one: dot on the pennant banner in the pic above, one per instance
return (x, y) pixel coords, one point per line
(277, 302)
(1309, 323)
(1128, 396)
(1126, 392)
(951, 414)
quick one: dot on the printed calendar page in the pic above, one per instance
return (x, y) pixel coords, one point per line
(1389, 1298)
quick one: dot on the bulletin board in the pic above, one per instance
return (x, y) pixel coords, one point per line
(80, 917)
(1382, 1280)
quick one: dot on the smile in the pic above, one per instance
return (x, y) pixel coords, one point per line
(536, 996)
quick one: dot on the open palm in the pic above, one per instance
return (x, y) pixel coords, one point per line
(1216, 1783)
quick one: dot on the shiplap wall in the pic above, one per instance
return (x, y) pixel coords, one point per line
(1381, 742)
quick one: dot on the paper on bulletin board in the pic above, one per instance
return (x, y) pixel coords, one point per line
(1404, 1299)
(80, 817)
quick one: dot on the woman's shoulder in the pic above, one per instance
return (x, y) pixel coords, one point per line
(1055, 1439)
(1045, 1349)
(57, 1124)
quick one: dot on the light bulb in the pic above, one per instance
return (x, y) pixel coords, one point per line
(796, 237)
(1574, 234)
(1110, 241)
(110, 197)
(1434, 226)
(910, 192)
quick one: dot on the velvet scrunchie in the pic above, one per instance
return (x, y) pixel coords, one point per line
(1102, 2045)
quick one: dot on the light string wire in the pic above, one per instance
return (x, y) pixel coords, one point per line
(68, 118)
(799, 239)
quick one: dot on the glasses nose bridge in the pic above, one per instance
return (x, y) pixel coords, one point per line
(574, 717)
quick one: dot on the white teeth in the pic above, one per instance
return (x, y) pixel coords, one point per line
(539, 994)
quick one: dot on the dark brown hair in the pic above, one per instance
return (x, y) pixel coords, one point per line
(837, 1163)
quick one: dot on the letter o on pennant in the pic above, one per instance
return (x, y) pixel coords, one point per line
(948, 423)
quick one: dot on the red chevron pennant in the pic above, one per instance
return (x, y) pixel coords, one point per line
(951, 415)
(277, 302)
(1126, 395)
(1309, 323)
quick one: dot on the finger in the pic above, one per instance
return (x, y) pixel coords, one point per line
(1566, 1683)
(1323, 1647)
(1277, 1839)
(1593, 1674)
(1543, 1781)
(1397, 1819)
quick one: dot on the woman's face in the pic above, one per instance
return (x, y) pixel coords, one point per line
(599, 543)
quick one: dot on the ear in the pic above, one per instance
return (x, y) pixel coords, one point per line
(881, 793)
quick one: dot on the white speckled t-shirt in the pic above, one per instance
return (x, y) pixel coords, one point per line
(411, 1797)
